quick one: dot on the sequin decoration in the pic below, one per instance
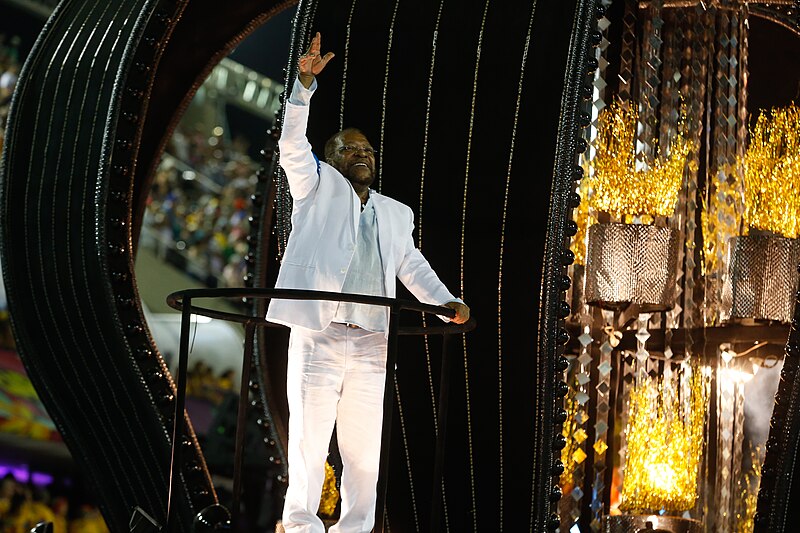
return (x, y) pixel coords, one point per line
(724, 198)
(721, 212)
(573, 455)
(697, 36)
(664, 438)
(649, 84)
(675, 46)
(600, 424)
(731, 377)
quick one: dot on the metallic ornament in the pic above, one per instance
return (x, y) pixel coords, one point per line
(724, 194)
(600, 422)
(649, 85)
(730, 440)
(631, 263)
(762, 278)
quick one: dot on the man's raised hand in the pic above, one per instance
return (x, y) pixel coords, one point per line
(312, 63)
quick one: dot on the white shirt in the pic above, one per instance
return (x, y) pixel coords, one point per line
(364, 276)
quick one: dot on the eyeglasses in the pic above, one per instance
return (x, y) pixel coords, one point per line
(347, 149)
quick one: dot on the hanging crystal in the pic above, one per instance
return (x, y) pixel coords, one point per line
(603, 407)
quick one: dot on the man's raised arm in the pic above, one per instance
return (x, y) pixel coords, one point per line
(297, 160)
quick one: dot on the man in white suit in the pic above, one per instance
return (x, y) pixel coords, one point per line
(345, 238)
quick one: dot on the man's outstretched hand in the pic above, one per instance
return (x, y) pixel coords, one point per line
(312, 63)
(462, 312)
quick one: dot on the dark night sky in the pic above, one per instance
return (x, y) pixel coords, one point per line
(267, 49)
(774, 65)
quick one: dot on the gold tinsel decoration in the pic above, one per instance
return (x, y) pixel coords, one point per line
(618, 186)
(771, 167)
(748, 492)
(583, 219)
(330, 494)
(664, 439)
(726, 204)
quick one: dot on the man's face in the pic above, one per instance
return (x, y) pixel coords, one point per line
(355, 158)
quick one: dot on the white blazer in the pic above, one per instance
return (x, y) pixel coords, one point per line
(325, 217)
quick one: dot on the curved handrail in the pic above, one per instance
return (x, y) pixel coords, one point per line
(176, 299)
(184, 301)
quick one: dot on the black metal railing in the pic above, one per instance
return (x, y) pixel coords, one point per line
(183, 301)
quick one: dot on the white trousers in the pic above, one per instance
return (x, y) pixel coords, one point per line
(335, 375)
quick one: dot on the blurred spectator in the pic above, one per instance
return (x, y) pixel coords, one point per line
(199, 203)
(38, 508)
(10, 63)
(23, 506)
(8, 80)
(202, 383)
(60, 513)
(8, 487)
(88, 521)
(198, 209)
(16, 519)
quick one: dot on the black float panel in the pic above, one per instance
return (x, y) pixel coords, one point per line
(96, 99)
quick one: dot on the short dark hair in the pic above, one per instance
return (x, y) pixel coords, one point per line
(333, 142)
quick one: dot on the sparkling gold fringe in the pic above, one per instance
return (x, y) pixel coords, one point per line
(665, 444)
(571, 453)
(726, 203)
(772, 173)
(748, 495)
(583, 219)
(618, 186)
